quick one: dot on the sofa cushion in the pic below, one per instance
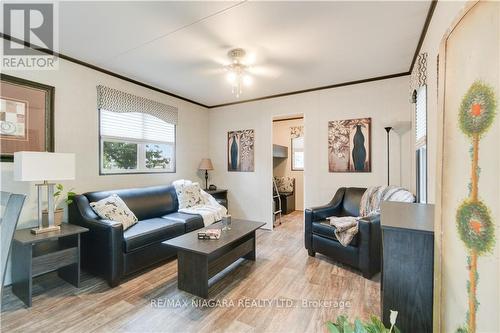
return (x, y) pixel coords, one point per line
(151, 231)
(190, 221)
(324, 229)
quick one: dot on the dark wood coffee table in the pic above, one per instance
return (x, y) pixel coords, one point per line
(199, 260)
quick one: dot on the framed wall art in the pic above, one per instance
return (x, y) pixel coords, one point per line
(240, 150)
(26, 116)
(349, 145)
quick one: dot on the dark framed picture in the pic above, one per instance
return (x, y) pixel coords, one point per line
(26, 116)
(240, 150)
(349, 146)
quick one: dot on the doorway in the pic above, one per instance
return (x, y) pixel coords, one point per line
(288, 138)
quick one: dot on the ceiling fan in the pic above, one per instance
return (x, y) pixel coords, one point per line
(240, 70)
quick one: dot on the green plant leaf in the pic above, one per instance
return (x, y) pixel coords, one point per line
(370, 328)
(332, 328)
(341, 320)
(358, 326)
(348, 327)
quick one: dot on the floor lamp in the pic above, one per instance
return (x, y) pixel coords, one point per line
(388, 130)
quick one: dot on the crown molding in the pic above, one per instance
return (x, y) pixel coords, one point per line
(428, 19)
(337, 85)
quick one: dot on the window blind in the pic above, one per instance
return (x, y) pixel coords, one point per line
(421, 117)
(121, 102)
(136, 126)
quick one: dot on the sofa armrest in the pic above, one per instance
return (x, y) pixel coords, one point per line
(320, 213)
(370, 245)
(102, 246)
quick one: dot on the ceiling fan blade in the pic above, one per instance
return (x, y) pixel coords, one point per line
(213, 71)
(265, 71)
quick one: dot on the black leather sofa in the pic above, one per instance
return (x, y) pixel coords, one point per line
(112, 253)
(364, 251)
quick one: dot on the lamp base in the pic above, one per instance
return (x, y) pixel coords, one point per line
(37, 231)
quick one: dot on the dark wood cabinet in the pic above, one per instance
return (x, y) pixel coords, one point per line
(408, 265)
(34, 255)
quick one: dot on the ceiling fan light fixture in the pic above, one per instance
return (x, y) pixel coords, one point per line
(247, 80)
(238, 75)
(231, 77)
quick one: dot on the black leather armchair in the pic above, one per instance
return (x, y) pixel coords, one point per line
(364, 251)
(111, 252)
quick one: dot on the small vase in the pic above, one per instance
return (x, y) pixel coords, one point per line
(234, 155)
(359, 151)
(58, 217)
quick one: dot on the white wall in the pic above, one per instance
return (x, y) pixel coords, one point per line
(384, 101)
(442, 18)
(76, 131)
(283, 167)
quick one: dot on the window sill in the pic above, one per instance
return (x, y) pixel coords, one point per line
(134, 173)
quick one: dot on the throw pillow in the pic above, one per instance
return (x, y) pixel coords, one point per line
(113, 208)
(284, 184)
(190, 196)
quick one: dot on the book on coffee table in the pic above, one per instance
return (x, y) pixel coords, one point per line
(209, 234)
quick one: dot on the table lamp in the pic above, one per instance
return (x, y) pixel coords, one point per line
(44, 167)
(206, 164)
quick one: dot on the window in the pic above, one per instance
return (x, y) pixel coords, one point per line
(133, 142)
(421, 143)
(298, 153)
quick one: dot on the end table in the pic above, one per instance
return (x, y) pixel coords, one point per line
(34, 255)
(220, 195)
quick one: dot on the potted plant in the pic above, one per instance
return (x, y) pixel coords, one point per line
(58, 200)
(374, 325)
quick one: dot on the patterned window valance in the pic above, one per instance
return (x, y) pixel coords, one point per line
(118, 101)
(296, 131)
(418, 76)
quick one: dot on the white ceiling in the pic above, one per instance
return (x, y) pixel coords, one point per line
(181, 46)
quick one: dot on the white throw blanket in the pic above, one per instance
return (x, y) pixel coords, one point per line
(209, 209)
(346, 227)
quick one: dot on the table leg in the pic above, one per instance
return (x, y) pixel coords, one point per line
(192, 275)
(252, 254)
(21, 272)
(71, 273)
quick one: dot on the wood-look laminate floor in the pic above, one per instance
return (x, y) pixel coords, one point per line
(267, 295)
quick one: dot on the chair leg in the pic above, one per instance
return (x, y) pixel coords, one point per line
(311, 253)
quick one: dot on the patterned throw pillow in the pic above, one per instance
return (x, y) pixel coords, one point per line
(190, 196)
(284, 184)
(113, 208)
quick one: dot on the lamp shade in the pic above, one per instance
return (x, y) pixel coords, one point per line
(206, 164)
(41, 166)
